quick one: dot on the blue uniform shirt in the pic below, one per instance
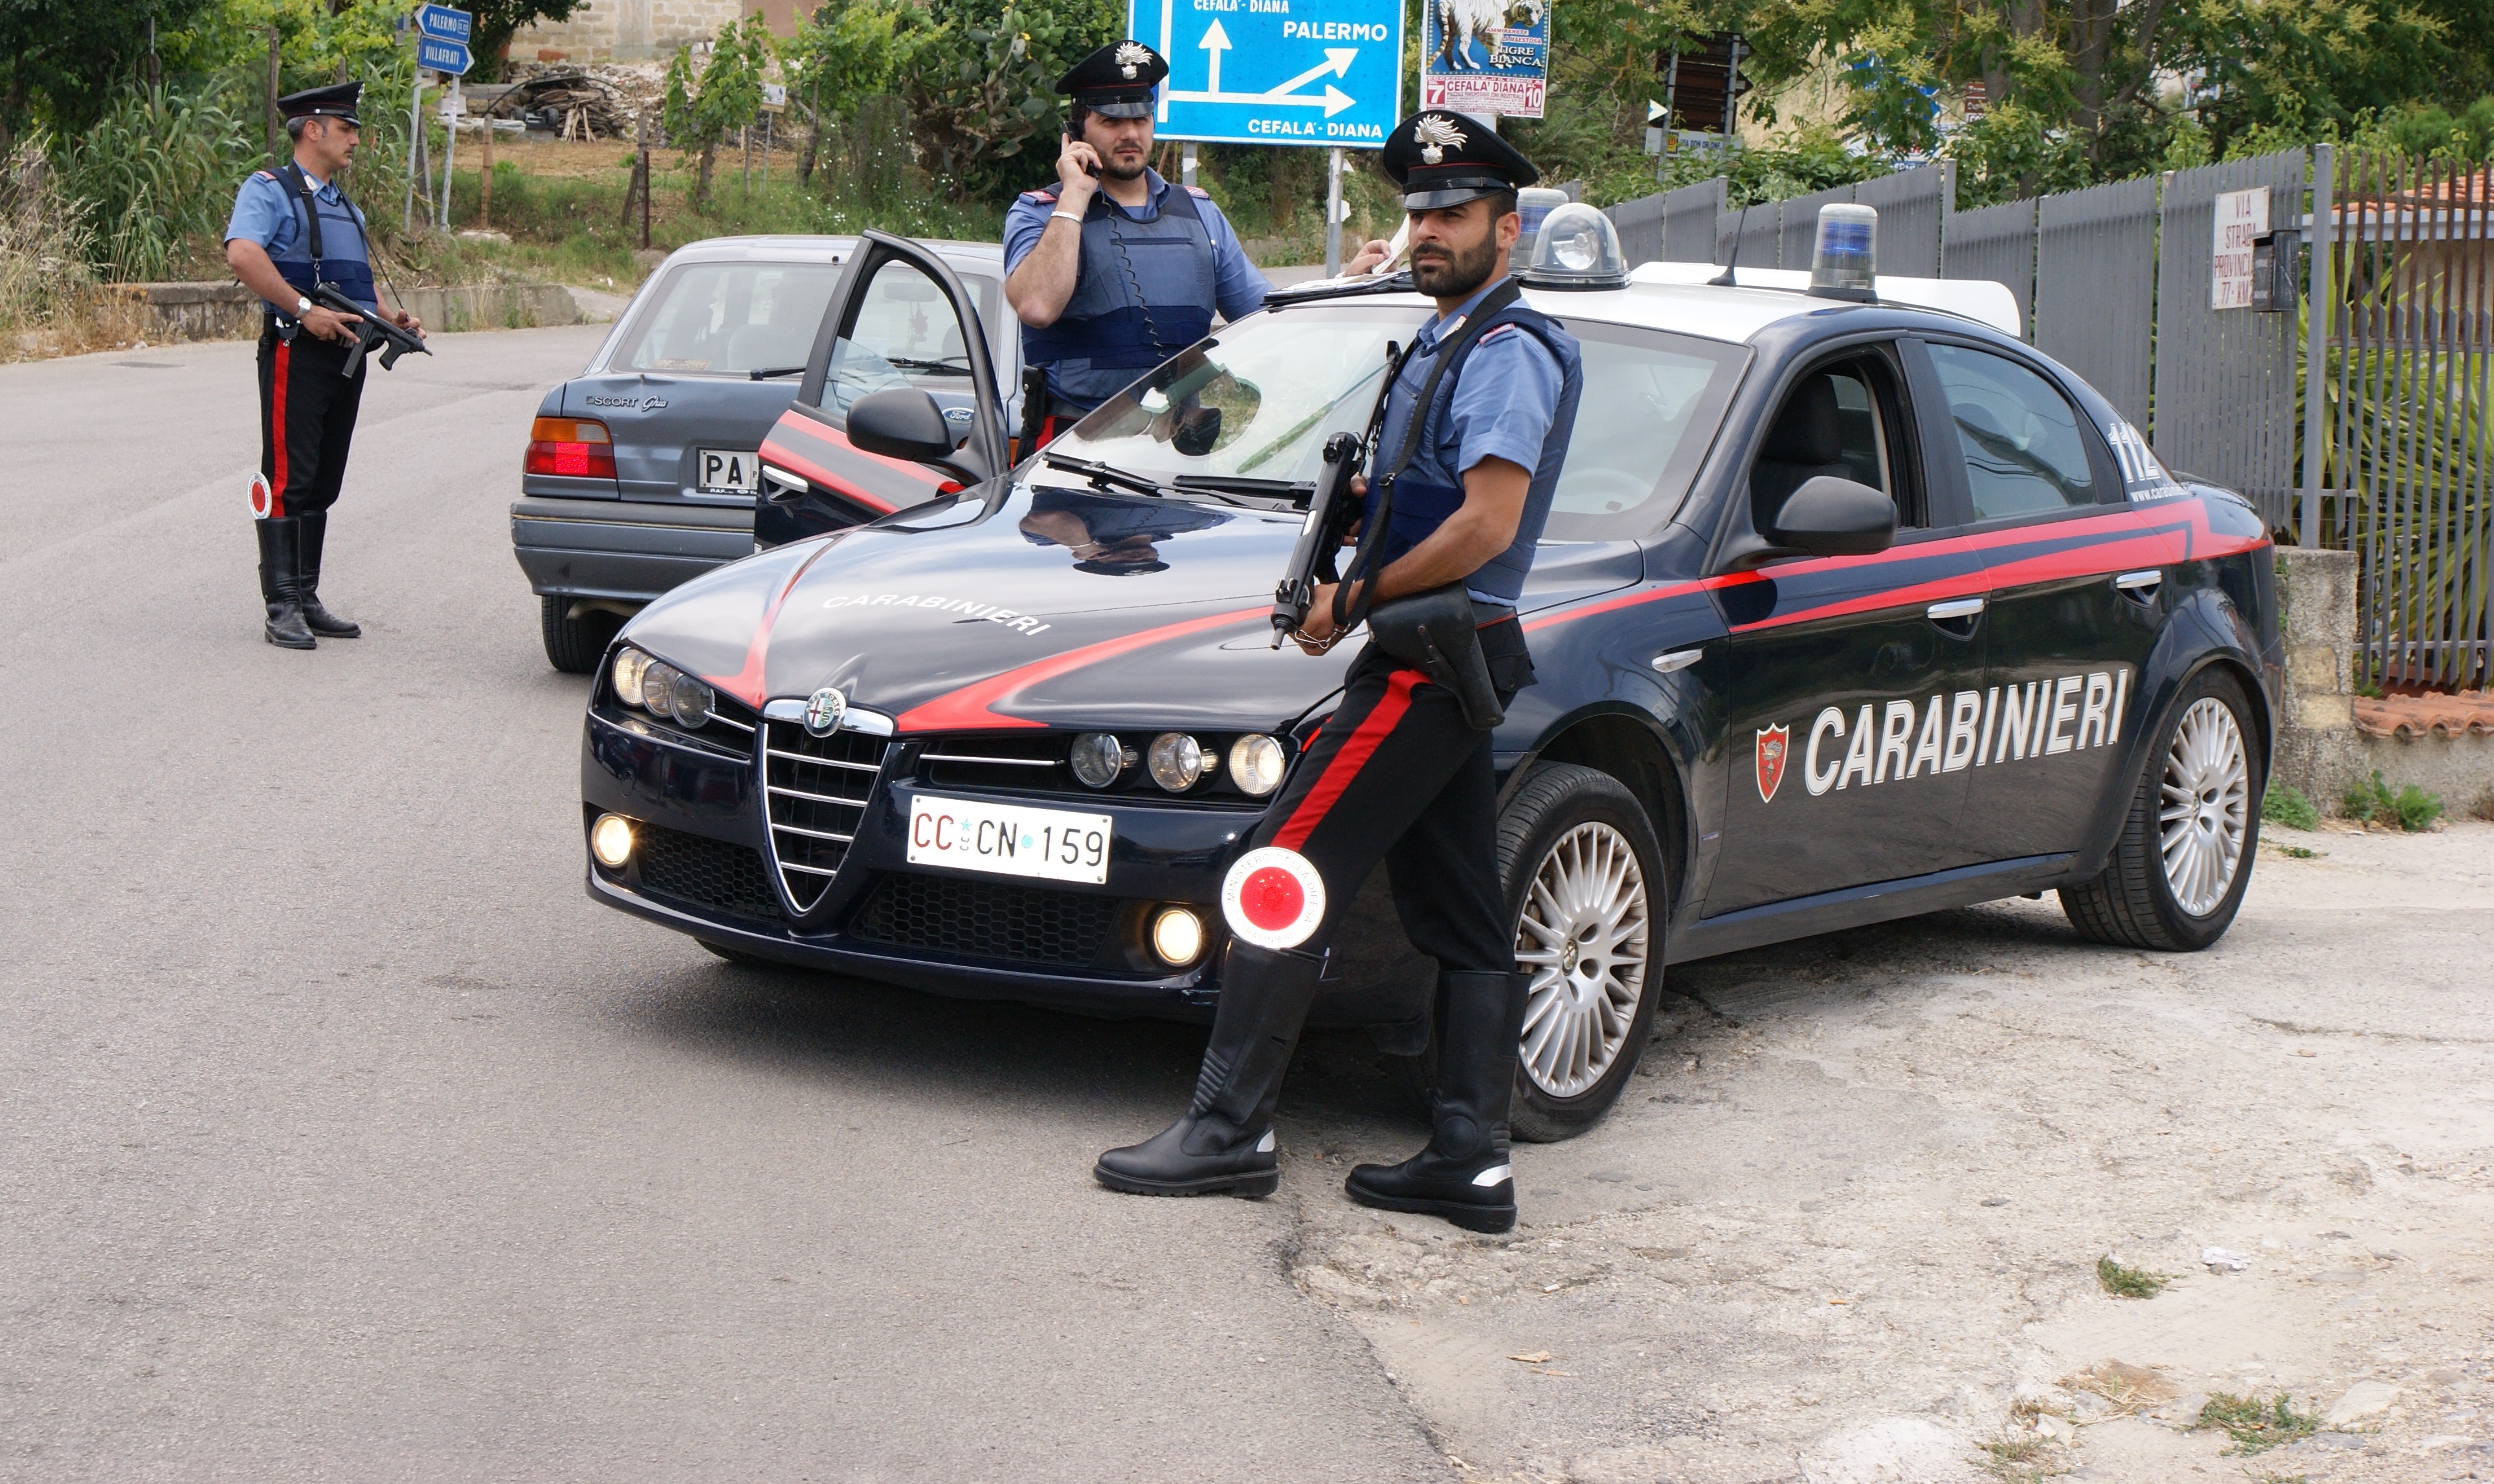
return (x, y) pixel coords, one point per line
(262, 214)
(1239, 288)
(1505, 396)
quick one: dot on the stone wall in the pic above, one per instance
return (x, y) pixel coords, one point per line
(631, 30)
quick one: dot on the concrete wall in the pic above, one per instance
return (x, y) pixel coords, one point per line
(211, 311)
(638, 30)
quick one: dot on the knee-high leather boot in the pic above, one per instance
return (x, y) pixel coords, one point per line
(281, 551)
(1223, 1141)
(318, 619)
(1463, 1175)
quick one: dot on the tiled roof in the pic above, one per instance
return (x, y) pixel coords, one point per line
(2453, 715)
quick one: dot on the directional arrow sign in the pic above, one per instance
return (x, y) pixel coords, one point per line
(1276, 71)
(445, 24)
(442, 56)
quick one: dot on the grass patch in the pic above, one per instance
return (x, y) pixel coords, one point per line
(2022, 1458)
(2289, 807)
(2255, 1426)
(2128, 1282)
(2300, 852)
(2410, 808)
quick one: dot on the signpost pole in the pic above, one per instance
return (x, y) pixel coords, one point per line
(415, 152)
(449, 146)
(2321, 240)
(1186, 163)
(1333, 213)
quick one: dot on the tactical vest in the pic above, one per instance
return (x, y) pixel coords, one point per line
(350, 275)
(1427, 491)
(1143, 292)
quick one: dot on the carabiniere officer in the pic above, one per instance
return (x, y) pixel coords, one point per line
(1397, 771)
(292, 230)
(1112, 270)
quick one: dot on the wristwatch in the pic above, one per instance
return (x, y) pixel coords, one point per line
(302, 306)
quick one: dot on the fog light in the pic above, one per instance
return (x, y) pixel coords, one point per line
(1178, 936)
(1177, 761)
(610, 841)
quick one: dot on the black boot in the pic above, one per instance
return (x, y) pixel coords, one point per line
(321, 621)
(281, 550)
(1225, 1140)
(1463, 1175)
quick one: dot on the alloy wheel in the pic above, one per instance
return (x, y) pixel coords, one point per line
(1584, 938)
(2203, 808)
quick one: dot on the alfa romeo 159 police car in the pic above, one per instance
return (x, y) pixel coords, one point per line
(997, 730)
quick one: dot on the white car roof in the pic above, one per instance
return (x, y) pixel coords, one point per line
(792, 247)
(1676, 297)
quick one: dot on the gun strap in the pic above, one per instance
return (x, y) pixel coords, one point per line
(1371, 541)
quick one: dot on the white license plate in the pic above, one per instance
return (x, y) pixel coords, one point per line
(1009, 839)
(726, 471)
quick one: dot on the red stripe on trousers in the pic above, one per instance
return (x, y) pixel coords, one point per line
(1356, 749)
(276, 429)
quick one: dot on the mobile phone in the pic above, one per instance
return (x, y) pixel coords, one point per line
(1092, 170)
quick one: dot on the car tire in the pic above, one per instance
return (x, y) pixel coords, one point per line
(739, 957)
(1550, 820)
(2178, 871)
(572, 645)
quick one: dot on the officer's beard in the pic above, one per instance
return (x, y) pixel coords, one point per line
(1442, 273)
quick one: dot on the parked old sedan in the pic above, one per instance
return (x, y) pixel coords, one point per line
(1848, 608)
(642, 471)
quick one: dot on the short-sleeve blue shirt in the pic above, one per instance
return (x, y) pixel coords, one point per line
(262, 214)
(1239, 288)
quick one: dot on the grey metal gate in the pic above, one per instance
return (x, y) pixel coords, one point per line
(1689, 217)
(1995, 243)
(2225, 378)
(1914, 206)
(1640, 225)
(2095, 288)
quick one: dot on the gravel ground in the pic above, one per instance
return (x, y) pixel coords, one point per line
(1845, 1226)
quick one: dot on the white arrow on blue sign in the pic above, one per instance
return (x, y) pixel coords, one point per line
(1276, 71)
(442, 56)
(445, 24)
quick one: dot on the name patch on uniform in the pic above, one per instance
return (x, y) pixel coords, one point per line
(1902, 741)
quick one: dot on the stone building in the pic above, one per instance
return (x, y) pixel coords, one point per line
(640, 30)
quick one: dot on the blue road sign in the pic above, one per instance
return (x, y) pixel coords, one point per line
(443, 24)
(442, 56)
(1276, 71)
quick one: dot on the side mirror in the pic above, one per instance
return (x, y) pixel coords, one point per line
(900, 424)
(1830, 516)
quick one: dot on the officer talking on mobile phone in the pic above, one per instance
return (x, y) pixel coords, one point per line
(1112, 270)
(1477, 417)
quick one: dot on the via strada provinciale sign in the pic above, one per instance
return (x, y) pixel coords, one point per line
(1276, 71)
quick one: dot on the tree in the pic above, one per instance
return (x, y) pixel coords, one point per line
(497, 21)
(844, 54)
(982, 84)
(60, 60)
(700, 115)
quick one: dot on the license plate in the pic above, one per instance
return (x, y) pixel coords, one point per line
(728, 471)
(1007, 839)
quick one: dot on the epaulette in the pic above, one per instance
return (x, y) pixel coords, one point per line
(264, 175)
(1199, 192)
(1042, 195)
(1495, 331)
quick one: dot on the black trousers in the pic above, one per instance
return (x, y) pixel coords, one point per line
(1396, 774)
(306, 419)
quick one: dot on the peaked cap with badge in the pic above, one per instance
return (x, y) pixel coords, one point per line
(1115, 82)
(336, 101)
(1440, 158)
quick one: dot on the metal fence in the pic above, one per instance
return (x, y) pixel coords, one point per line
(2408, 429)
(2095, 289)
(1995, 243)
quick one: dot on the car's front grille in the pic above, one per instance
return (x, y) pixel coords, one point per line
(1019, 763)
(702, 872)
(987, 920)
(817, 789)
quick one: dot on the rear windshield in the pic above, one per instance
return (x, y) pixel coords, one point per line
(731, 318)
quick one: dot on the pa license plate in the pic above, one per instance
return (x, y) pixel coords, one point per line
(728, 471)
(1009, 839)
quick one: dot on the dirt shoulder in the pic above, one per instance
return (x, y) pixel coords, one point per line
(1845, 1224)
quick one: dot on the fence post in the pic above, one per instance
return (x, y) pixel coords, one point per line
(2321, 240)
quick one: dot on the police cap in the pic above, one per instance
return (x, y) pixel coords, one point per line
(1117, 80)
(336, 101)
(1441, 159)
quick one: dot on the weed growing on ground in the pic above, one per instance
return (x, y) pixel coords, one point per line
(2300, 852)
(2410, 808)
(2288, 806)
(2257, 1427)
(2021, 1458)
(2128, 1282)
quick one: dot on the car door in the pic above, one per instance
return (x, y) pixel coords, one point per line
(900, 319)
(1850, 678)
(2075, 597)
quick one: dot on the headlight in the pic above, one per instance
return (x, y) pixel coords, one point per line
(1256, 764)
(1176, 761)
(657, 677)
(610, 840)
(1178, 936)
(689, 698)
(628, 666)
(1098, 759)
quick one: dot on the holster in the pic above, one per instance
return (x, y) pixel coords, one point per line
(1434, 633)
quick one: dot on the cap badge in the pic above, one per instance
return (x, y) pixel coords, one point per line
(1435, 135)
(1130, 58)
(824, 710)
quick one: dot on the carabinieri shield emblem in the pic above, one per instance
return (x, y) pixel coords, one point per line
(1775, 744)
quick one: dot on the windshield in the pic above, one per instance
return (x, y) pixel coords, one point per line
(1258, 401)
(730, 319)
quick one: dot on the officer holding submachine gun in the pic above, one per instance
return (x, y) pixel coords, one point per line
(297, 242)
(1464, 455)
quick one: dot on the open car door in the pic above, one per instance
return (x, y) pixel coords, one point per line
(900, 319)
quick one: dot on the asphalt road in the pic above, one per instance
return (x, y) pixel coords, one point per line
(341, 1136)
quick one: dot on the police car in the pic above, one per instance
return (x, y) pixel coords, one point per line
(1852, 606)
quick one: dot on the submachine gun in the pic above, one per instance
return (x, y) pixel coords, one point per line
(371, 330)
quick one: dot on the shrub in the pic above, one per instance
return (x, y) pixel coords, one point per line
(158, 172)
(44, 241)
(2410, 808)
(2289, 807)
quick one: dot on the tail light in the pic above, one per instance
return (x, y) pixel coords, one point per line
(576, 447)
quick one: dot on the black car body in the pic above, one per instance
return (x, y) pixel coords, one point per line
(1813, 741)
(662, 431)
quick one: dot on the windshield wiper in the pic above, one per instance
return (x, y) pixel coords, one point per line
(929, 368)
(758, 374)
(1103, 476)
(1295, 491)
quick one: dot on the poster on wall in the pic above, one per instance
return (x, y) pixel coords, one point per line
(1486, 56)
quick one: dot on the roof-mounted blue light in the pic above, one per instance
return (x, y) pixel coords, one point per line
(1845, 264)
(1576, 248)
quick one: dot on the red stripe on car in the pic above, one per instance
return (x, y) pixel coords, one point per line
(972, 705)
